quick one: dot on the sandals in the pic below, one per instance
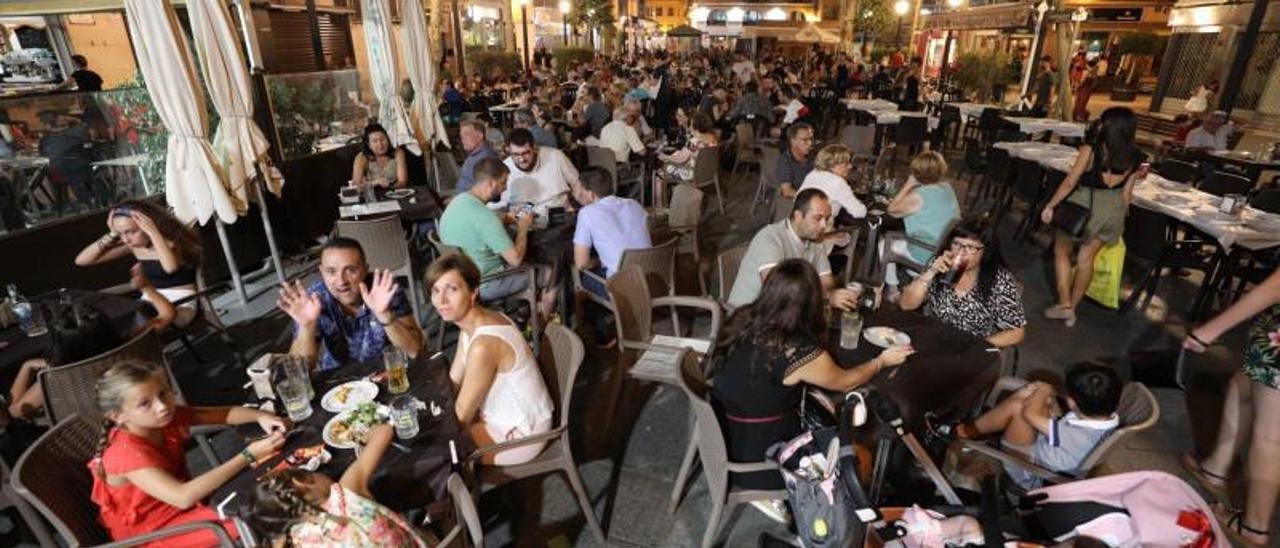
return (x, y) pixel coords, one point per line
(1211, 482)
(1059, 312)
(1233, 522)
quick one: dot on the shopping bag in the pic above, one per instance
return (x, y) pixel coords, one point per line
(1108, 266)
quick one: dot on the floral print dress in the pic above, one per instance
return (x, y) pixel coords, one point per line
(356, 522)
(1262, 351)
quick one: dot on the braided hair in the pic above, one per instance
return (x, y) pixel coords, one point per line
(112, 388)
(277, 505)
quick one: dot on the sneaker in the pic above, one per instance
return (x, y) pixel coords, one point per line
(774, 509)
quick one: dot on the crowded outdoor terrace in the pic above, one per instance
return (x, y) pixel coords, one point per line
(730, 291)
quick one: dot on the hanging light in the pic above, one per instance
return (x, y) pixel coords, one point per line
(901, 7)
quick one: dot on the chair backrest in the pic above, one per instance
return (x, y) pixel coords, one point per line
(727, 265)
(706, 165)
(859, 138)
(629, 293)
(1138, 411)
(449, 172)
(382, 238)
(745, 136)
(658, 263)
(1177, 170)
(713, 453)
(1267, 200)
(769, 166)
(442, 248)
(605, 159)
(567, 354)
(910, 130)
(1029, 180)
(73, 388)
(466, 513)
(686, 206)
(54, 477)
(1145, 232)
(1222, 183)
(998, 162)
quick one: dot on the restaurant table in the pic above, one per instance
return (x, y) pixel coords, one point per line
(404, 480)
(421, 206)
(1251, 164)
(1047, 125)
(502, 113)
(1049, 155)
(972, 110)
(131, 164)
(125, 313)
(869, 105)
(949, 373)
(1251, 229)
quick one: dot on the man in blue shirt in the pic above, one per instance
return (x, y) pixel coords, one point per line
(349, 315)
(608, 224)
(472, 134)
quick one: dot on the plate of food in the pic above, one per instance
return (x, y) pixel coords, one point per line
(344, 430)
(348, 395)
(400, 193)
(884, 337)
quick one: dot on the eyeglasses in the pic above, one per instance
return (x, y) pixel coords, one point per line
(966, 248)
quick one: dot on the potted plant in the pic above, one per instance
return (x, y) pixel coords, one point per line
(1137, 52)
(979, 73)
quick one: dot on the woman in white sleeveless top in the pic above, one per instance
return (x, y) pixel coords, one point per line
(500, 391)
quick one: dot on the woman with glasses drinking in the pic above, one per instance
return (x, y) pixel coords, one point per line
(969, 288)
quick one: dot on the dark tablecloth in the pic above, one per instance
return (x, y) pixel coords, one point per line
(948, 373)
(404, 480)
(126, 314)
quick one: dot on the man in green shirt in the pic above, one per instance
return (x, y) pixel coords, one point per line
(479, 232)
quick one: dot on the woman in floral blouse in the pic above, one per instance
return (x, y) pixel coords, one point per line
(1251, 413)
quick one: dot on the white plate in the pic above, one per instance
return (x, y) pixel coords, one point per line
(884, 337)
(384, 414)
(400, 193)
(356, 393)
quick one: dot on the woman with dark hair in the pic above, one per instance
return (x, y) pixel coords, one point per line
(76, 332)
(777, 349)
(168, 253)
(976, 294)
(1101, 181)
(379, 164)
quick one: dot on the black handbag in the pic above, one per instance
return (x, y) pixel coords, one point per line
(1071, 217)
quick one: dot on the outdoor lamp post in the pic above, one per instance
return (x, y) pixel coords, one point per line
(900, 8)
(564, 20)
(524, 20)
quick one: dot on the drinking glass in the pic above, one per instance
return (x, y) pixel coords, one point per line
(404, 416)
(850, 329)
(397, 370)
(293, 368)
(34, 324)
(293, 394)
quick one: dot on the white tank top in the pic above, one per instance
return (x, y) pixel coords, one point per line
(518, 398)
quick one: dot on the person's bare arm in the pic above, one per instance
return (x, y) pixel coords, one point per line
(906, 202)
(1068, 184)
(402, 170)
(106, 248)
(1255, 301)
(404, 333)
(356, 477)
(357, 171)
(23, 384)
(185, 495)
(582, 257)
(1037, 410)
(482, 367)
(1008, 337)
(515, 255)
(823, 371)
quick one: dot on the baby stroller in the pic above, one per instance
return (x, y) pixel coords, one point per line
(1126, 510)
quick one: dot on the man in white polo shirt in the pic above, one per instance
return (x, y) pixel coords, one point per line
(799, 237)
(541, 176)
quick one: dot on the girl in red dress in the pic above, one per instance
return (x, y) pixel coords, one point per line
(140, 478)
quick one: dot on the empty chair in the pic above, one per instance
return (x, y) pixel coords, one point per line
(567, 354)
(683, 218)
(713, 452)
(1221, 183)
(634, 304)
(747, 151)
(1149, 239)
(1138, 411)
(910, 133)
(948, 131)
(385, 247)
(447, 174)
(727, 265)
(768, 170)
(1267, 200)
(1177, 170)
(53, 478)
(1028, 182)
(468, 525)
(706, 172)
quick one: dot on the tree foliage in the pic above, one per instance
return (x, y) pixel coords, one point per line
(979, 71)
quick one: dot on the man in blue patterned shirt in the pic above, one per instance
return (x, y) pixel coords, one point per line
(350, 315)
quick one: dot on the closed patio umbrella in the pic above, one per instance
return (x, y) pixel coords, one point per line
(424, 113)
(195, 185)
(240, 144)
(383, 74)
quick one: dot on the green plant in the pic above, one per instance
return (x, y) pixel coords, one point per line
(302, 108)
(507, 63)
(978, 72)
(1140, 43)
(130, 105)
(568, 55)
(875, 18)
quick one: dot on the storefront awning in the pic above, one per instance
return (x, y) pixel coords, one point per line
(999, 16)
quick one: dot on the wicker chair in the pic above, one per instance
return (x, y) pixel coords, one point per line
(727, 265)
(769, 158)
(714, 454)
(447, 175)
(683, 218)
(61, 453)
(72, 388)
(706, 172)
(385, 247)
(567, 353)
(468, 530)
(605, 159)
(747, 151)
(529, 294)
(1138, 411)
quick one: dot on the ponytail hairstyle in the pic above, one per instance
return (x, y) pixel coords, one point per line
(112, 388)
(277, 505)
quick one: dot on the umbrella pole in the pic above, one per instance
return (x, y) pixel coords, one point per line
(236, 282)
(271, 235)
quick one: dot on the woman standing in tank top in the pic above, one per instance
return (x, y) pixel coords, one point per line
(500, 391)
(1101, 180)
